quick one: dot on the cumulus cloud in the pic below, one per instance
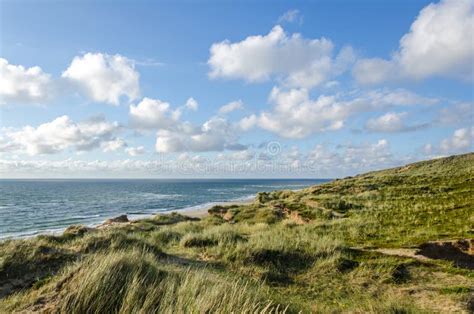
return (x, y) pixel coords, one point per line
(392, 122)
(247, 123)
(216, 134)
(243, 155)
(153, 114)
(135, 151)
(322, 161)
(428, 149)
(389, 122)
(460, 141)
(192, 104)
(296, 115)
(170, 141)
(104, 78)
(375, 70)
(101, 77)
(296, 61)
(174, 135)
(232, 106)
(437, 45)
(353, 158)
(23, 85)
(113, 145)
(62, 134)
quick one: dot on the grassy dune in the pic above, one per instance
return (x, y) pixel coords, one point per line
(346, 246)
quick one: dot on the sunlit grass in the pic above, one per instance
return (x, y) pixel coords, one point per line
(289, 251)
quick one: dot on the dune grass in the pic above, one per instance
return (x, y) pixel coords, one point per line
(134, 281)
(304, 251)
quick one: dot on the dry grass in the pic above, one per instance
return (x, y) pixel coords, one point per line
(256, 259)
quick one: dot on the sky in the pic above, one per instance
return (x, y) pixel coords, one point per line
(232, 89)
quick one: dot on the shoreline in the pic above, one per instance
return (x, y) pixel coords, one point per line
(203, 212)
(198, 211)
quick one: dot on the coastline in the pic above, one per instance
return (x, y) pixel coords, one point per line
(198, 211)
(278, 246)
(203, 210)
(133, 198)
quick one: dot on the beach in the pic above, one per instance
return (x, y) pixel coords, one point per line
(203, 212)
(32, 207)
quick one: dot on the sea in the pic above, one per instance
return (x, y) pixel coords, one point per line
(32, 207)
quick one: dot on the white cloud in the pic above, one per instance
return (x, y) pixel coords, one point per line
(135, 151)
(243, 155)
(428, 149)
(174, 135)
(389, 122)
(113, 145)
(373, 71)
(61, 134)
(169, 142)
(297, 61)
(247, 123)
(461, 140)
(458, 114)
(438, 44)
(346, 159)
(392, 122)
(23, 85)
(192, 104)
(367, 155)
(331, 84)
(397, 97)
(153, 114)
(322, 161)
(291, 16)
(104, 78)
(232, 106)
(78, 168)
(216, 134)
(296, 115)
(149, 63)
(352, 158)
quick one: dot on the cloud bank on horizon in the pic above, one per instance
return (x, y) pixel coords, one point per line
(328, 108)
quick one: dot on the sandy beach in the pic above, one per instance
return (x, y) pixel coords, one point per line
(202, 212)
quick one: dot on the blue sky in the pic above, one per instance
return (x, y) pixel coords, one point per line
(312, 88)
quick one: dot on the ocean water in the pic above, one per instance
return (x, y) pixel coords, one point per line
(30, 207)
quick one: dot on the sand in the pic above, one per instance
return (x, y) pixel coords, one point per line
(202, 212)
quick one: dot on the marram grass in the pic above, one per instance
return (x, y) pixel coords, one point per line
(319, 250)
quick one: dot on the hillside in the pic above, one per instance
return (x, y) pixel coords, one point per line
(396, 240)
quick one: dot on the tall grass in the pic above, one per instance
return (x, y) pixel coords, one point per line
(134, 281)
(261, 258)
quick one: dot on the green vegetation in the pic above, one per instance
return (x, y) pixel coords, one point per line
(346, 246)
